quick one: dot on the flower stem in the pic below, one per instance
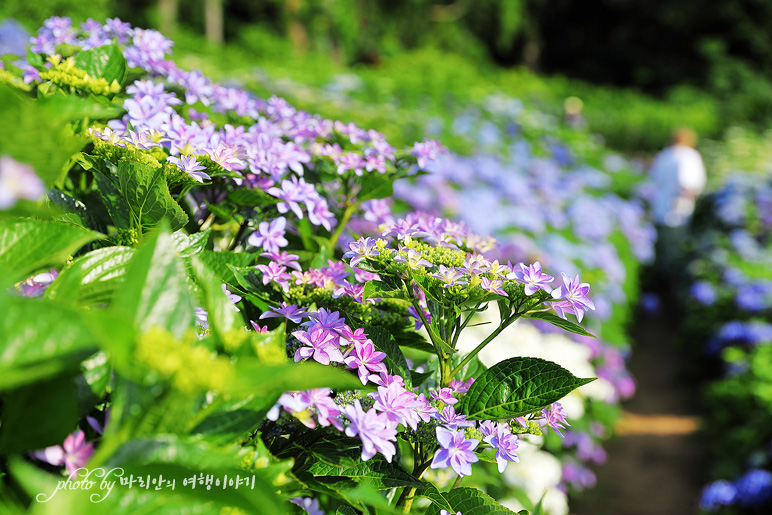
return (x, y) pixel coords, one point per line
(351, 207)
(485, 342)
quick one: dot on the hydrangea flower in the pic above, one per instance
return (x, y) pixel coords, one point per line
(505, 444)
(275, 273)
(74, 453)
(449, 275)
(37, 285)
(360, 250)
(366, 360)
(533, 278)
(374, 429)
(555, 417)
(413, 259)
(321, 344)
(18, 181)
(190, 166)
(270, 235)
(574, 298)
(291, 312)
(456, 451)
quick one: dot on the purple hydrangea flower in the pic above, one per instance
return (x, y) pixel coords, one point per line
(326, 319)
(455, 451)
(398, 404)
(360, 250)
(349, 337)
(505, 444)
(376, 431)
(366, 360)
(283, 258)
(275, 273)
(321, 344)
(18, 181)
(291, 312)
(452, 420)
(37, 285)
(270, 236)
(555, 417)
(413, 259)
(445, 395)
(574, 298)
(235, 299)
(450, 276)
(533, 278)
(74, 453)
(493, 286)
(426, 151)
(190, 166)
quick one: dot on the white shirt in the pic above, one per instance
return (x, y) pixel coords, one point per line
(679, 175)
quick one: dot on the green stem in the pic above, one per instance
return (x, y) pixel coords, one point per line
(485, 342)
(351, 207)
(406, 499)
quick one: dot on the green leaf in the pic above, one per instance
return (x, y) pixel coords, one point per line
(189, 245)
(376, 185)
(105, 61)
(156, 290)
(93, 278)
(148, 197)
(234, 420)
(384, 342)
(179, 459)
(35, 131)
(381, 290)
(40, 339)
(222, 314)
(469, 501)
(557, 321)
(253, 376)
(245, 197)
(114, 203)
(38, 415)
(27, 246)
(221, 262)
(516, 387)
(376, 472)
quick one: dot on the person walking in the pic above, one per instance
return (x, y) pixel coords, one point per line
(678, 177)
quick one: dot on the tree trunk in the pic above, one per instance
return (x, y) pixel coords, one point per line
(169, 10)
(213, 14)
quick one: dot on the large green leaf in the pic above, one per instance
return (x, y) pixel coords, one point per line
(148, 197)
(93, 278)
(517, 386)
(38, 415)
(253, 376)
(105, 61)
(156, 290)
(34, 131)
(27, 246)
(40, 339)
(115, 205)
(223, 316)
(234, 420)
(376, 472)
(559, 322)
(179, 459)
(381, 290)
(221, 262)
(469, 501)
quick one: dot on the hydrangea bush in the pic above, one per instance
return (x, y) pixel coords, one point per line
(187, 295)
(550, 196)
(728, 308)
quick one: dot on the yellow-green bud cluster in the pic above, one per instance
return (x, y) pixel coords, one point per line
(64, 73)
(188, 367)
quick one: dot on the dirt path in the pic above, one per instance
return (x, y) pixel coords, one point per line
(656, 463)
